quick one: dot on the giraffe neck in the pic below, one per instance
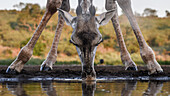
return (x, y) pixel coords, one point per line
(85, 5)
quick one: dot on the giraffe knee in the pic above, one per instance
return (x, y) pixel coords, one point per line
(147, 54)
(25, 54)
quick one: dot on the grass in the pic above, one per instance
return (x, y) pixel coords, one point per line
(35, 61)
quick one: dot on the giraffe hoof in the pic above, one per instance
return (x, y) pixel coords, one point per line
(132, 68)
(156, 72)
(45, 68)
(161, 71)
(11, 71)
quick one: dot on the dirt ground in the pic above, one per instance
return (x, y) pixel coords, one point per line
(74, 71)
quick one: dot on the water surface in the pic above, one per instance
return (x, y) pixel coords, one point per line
(115, 88)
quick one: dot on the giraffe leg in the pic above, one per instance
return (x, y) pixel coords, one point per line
(129, 87)
(27, 51)
(146, 52)
(52, 55)
(48, 87)
(88, 88)
(16, 89)
(125, 56)
(153, 88)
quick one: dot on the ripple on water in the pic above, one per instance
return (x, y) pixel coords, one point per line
(101, 79)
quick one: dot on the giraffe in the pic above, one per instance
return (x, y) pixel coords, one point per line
(86, 36)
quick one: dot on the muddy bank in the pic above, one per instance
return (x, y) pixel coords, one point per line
(74, 71)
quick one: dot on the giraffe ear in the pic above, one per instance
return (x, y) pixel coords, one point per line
(104, 18)
(67, 17)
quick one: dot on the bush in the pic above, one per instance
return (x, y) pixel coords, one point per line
(7, 51)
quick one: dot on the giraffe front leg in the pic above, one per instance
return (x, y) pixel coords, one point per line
(18, 64)
(27, 51)
(52, 55)
(128, 62)
(153, 88)
(125, 56)
(16, 89)
(48, 87)
(146, 52)
(129, 87)
(148, 57)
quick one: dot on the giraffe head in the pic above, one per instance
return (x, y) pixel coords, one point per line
(86, 36)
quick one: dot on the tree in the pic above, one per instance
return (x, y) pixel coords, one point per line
(148, 12)
(137, 14)
(30, 16)
(167, 13)
(19, 6)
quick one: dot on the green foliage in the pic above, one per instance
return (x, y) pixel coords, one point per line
(6, 61)
(7, 51)
(66, 62)
(29, 17)
(14, 25)
(67, 48)
(35, 61)
(163, 27)
(164, 62)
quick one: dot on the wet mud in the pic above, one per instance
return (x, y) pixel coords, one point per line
(74, 71)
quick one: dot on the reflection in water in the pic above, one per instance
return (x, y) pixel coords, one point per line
(16, 89)
(153, 88)
(127, 88)
(48, 87)
(88, 88)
